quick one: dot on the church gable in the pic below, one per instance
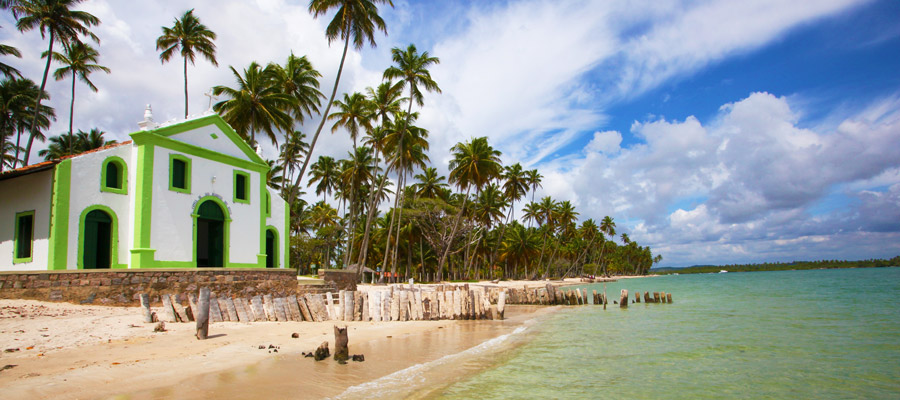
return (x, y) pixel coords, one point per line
(210, 133)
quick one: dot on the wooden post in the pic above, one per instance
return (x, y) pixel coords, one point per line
(202, 314)
(294, 308)
(347, 303)
(637, 297)
(242, 313)
(215, 315)
(194, 307)
(623, 299)
(656, 297)
(385, 305)
(341, 353)
(403, 305)
(304, 309)
(501, 304)
(420, 309)
(669, 297)
(395, 306)
(229, 306)
(329, 306)
(646, 297)
(258, 309)
(280, 315)
(662, 297)
(167, 308)
(145, 305)
(375, 298)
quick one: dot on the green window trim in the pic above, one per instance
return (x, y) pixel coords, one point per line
(19, 245)
(241, 190)
(121, 179)
(174, 161)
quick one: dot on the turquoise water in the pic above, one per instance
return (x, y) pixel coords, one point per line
(788, 334)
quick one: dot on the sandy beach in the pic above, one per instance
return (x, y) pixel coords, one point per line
(62, 350)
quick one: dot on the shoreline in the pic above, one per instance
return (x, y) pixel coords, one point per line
(78, 351)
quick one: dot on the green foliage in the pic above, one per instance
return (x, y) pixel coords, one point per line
(794, 265)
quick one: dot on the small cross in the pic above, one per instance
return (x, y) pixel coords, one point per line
(211, 97)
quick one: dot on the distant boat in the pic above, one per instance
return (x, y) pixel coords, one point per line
(722, 271)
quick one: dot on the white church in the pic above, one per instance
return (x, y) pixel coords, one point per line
(186, 194)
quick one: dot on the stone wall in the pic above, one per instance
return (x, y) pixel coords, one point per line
(122, 287)
(340, 278)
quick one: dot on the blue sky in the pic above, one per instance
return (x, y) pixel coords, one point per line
(714, 131)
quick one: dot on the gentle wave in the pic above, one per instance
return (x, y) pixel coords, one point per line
(389, 385)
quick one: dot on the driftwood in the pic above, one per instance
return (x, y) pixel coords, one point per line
(145, 306)
(341, 353)
(202, 314)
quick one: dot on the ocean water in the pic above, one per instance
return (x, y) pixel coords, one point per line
(823, 334)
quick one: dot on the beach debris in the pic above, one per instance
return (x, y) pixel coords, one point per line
(154, 317)
(262, 347)
(341, 353)
(305, 354)
(11, 350)
(358, 357)
(160, 327)
(295, 335)
(145, 306)
(202, 314)
(11, 366)
(322, 352)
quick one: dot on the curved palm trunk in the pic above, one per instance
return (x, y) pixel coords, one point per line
(364, 250)
(398, 208)
(312, 144)
(350, 233)
(452, 234)
(37, 101)
(387, 243)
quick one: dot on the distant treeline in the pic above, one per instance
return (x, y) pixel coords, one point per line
(824, 264)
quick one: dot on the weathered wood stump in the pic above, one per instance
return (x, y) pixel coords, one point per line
(145, 306)
(202, 314)
(322, 351)
(656, 297)
(662, 297)
(623, 299)
(341, 352)
(669, 297)
(647, 297)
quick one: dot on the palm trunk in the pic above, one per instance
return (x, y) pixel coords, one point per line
(350, 237)
(399, 208)
(364, 250)
(72, 106)
(453, 232)
(37, 101)
(185, 89)
(312, 144)
(18, 146)
(387, 243)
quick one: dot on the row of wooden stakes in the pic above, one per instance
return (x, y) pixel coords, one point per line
(396, 304)
(551, 295)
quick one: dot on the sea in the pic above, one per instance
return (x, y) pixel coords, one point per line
(823, 334)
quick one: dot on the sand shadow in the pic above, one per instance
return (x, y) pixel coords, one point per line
(218, 335)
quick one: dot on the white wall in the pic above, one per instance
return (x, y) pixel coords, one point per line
(25, 193)
(202, 137)
(172, 231)
(85, 192)
(276, 219)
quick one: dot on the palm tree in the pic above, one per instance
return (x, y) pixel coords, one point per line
(7, 153)
(85, 141)
(412, 71)
(354, 18)
(187, 36)
(475, 163)
(16, 113)
(430, 185)
(298, 79)
(326, 172)
(293, 148)
(256, 105)
(78, 61)
(57, 19)
(547, 212)
(533, 179)
(7, 70)
(359, 171)
(68, 144)
(514, 187)
(352, 114)
(532, 213)
(519, 246)
(607, 226)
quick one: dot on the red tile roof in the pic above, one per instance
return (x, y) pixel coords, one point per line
(48, 164)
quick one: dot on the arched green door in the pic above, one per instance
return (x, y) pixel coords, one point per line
(271, 257)
(97, 240)
(210, 235)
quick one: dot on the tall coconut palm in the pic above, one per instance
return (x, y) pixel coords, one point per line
(298, 79)
(547, 211)
(78, 61)
(356, 20)
(474, 164)
(293, 148)
(16, 114)
(326, 172)
(607, 226)
(7, 70)
(411, 70)
(188, 36)
(532, 213)
(7, 153)
(514, 187)
(377, 139)
(352, 114)
(431, 185)
(255, 105)
(519, 246)
(359, 171)
(63, 25)
(533, 178)
(91, 140)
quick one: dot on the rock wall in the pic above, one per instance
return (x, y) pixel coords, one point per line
(122, 287)
(341, 279)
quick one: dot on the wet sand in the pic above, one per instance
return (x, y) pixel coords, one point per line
(72, 351)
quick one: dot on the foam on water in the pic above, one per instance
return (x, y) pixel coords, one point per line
(407, 380)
